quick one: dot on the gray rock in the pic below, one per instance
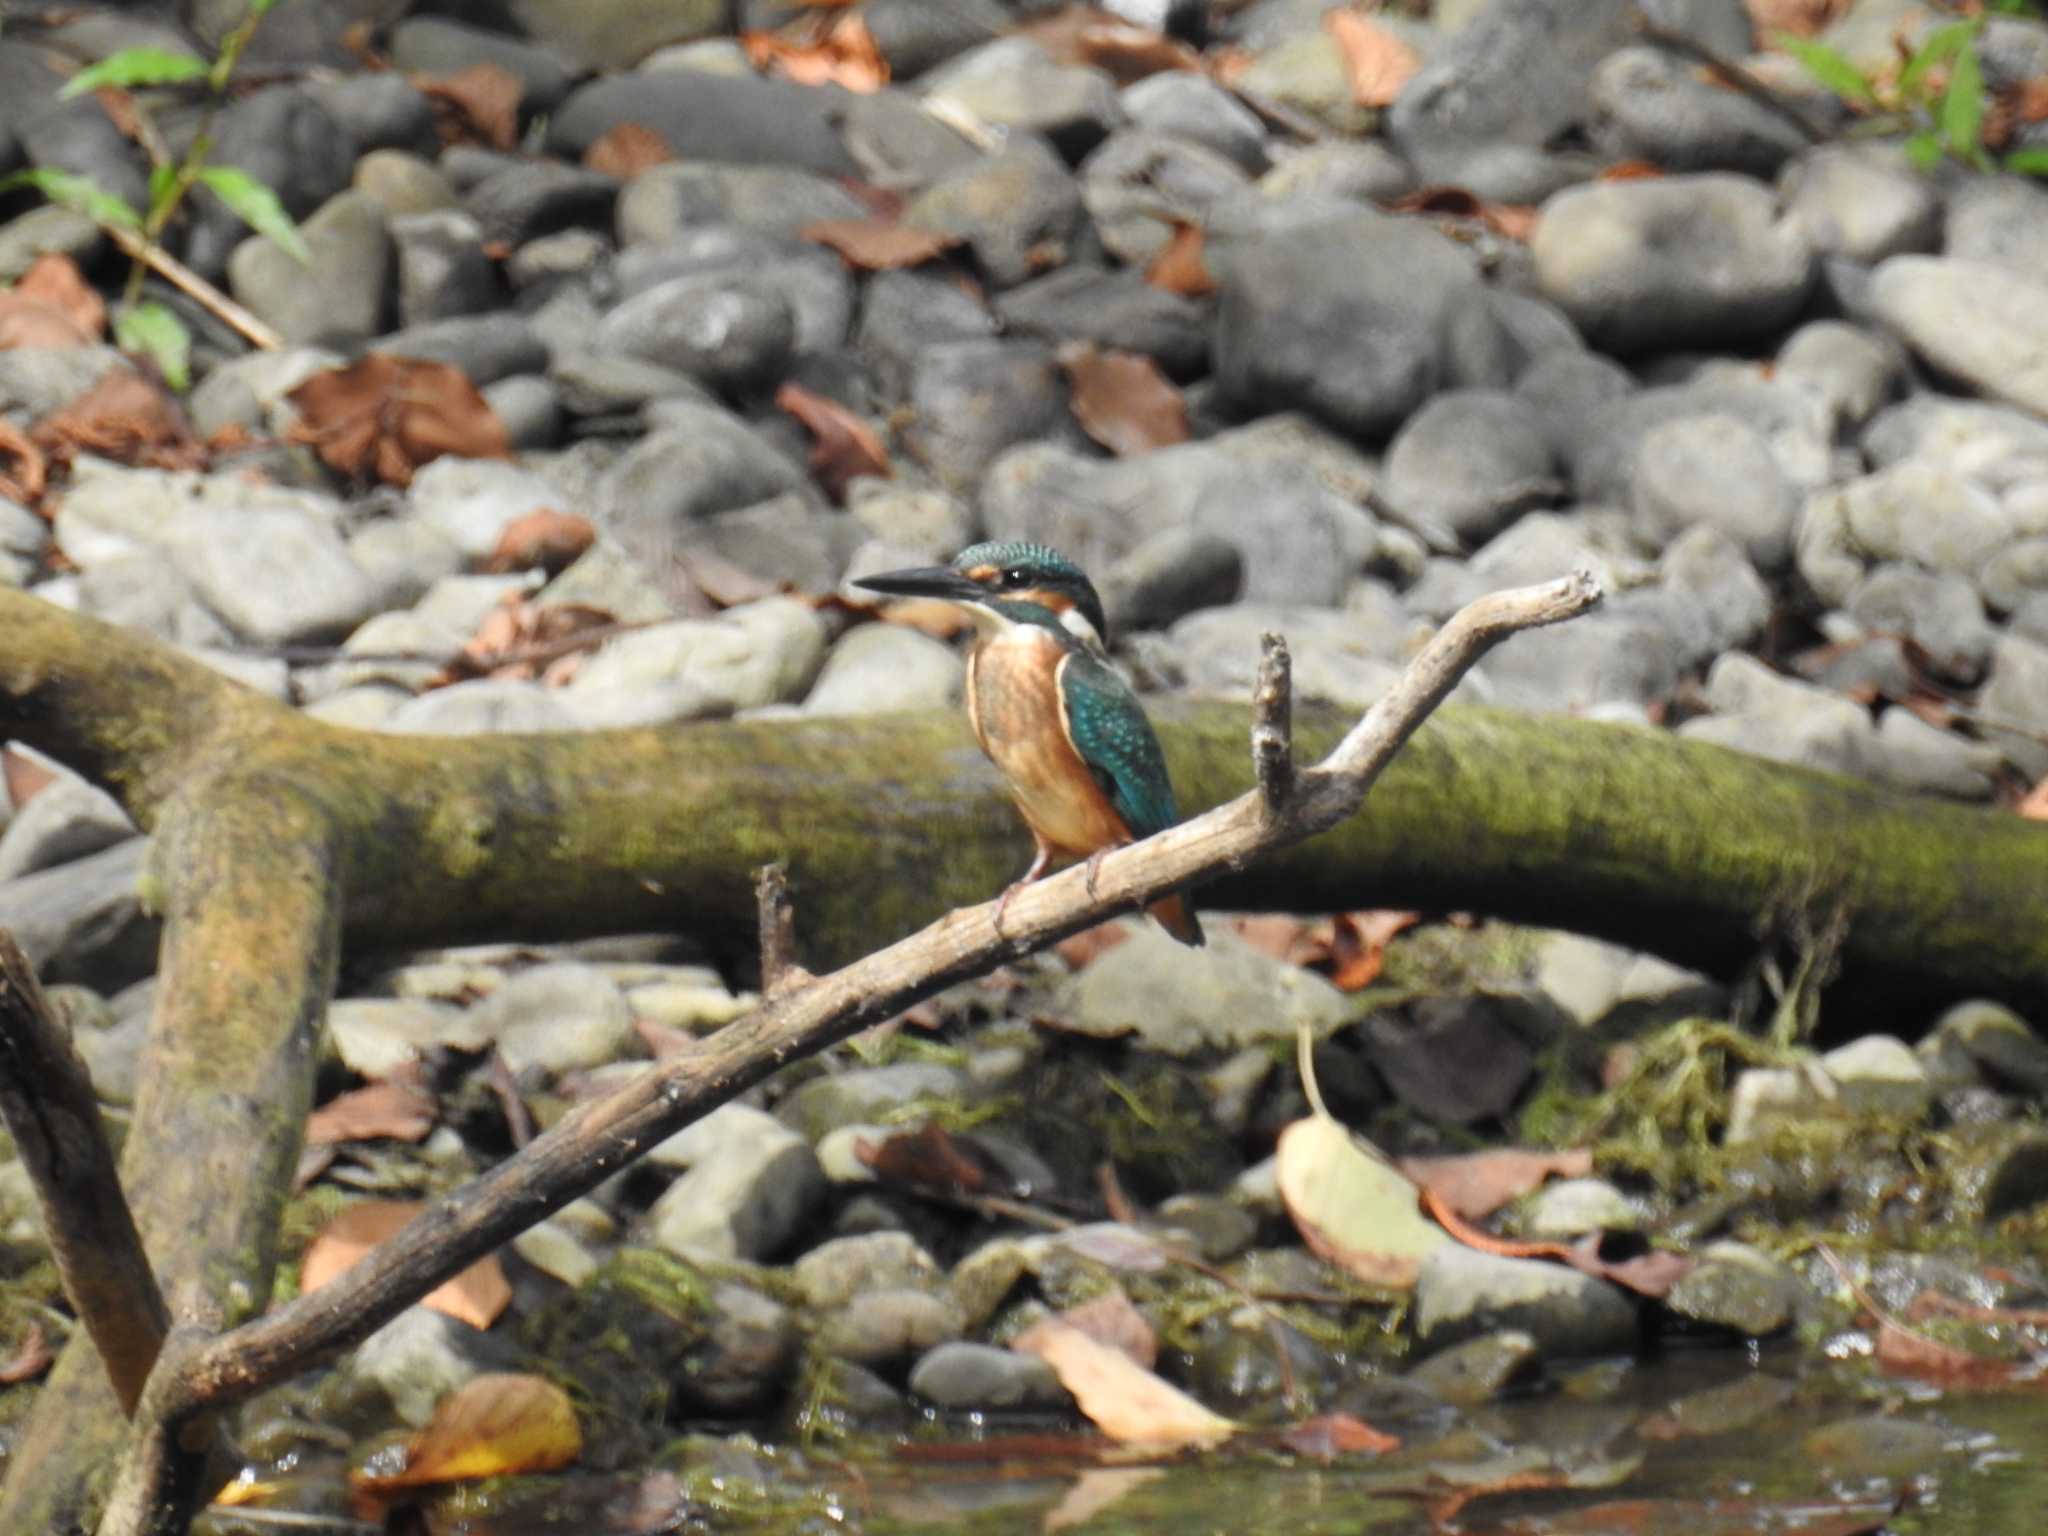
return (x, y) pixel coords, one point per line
(1140, 182)
(882, 667)
(836, 1271)
(1019, 212)
(1228, 995)
(1337, 170)
(596, 383)
(379, 112)
(2017, 691)
(903, 313)
(1912, 755)
(67, 819)
(1336, 658)
(1481, 1369)
(972, 399)
(48, 230)
(488, 705)
(552, 261)
(375, 1036)
(724, 331)
(24, 541)
(1170, 575)
(1568, 1208)
(274, 575)
(1650, 104)
(613, 34)
(1458, 1059)
(812, 281)
(35, 381)
(1861, 201)
(1917, 511)
(486, 348)
(759, 653)
(1192, 107)
(788, 538)
(1590, 980)
(1309, 542)
(1681, 260)
(739, 1367)
(530, 409)
(1707, 566)
(1113, 308)
(866, 1095)
(1876, 1445)
(668, 200)
(1573, 393)
(742, 120)
(528, 200)
(889, 1325)
(1471, 461)
(1879, 1075)
(899, 144)
(442, 268)
(1717, 471)
(2002, 1043)
(1981, 323)
(139, 590)
(967, 1377)
(1854, 371)
(438, 45)
(2002, 220)
(1759, 712)
(1493, 344)
(702, 460)
(1628, 653)
(418, 1358)
(1970, 437)
(250, 391)
(1739, 1288)
(751, 1187)
(84, 920)
(1014, 85)
(284, 136)
(1343, 319)
(337, 299)
(1940, 612)
(1304, 71)
(556, 1018)
(917, 35)
(1462, 1293)
(923, 520)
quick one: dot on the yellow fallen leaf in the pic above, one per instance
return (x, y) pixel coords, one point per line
(500, 1423)
(1351, 1208)
(1121, 1398)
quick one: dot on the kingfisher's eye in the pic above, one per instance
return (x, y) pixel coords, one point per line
(1016, 576)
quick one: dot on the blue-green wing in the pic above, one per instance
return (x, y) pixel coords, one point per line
(1110, 731)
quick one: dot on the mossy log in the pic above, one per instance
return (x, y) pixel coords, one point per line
(278, 839)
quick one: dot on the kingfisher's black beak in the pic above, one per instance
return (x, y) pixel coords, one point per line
(923, 581)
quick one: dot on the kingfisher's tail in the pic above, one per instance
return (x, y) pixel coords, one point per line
(1178, 918)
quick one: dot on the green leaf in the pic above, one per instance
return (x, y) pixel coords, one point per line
(136, 66)
(77, 192)
(257, 207)
(1942, 44)
(1830, 68)
(1962, 106)
(2027, 162)
(1924, 149)
(163, 186)
(158, 334)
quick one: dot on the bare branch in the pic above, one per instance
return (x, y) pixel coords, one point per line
(51, 1111)
(594, 1141)
(777, 921)
(1273, 724)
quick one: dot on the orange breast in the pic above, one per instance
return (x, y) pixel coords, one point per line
(1013, 697)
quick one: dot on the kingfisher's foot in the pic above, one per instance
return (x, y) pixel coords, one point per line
(1003, 901)
(1095, 869)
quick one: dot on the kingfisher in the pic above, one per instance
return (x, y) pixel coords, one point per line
(1065, 731)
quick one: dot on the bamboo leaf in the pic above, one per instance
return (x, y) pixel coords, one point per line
(1962, 106)
(1924, 149)
(1942, 44)
(257, 206)
(136, 66)
(2027, 162)
(1831, 69)
(81, 193)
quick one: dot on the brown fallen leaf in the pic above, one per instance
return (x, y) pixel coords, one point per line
(31, 1357)
(29, 324)
(1330, 1435)
(478, 104)
(1122, 400)
(1121, 1398)
(1476, 1184)
(1630, 170)
(384, 417)
(1109, 1319)
(124, 417)
(1377, 62)
(1511, 221)
(519, 639)
(1179, 268)
(625, 150)
(25, 776)
(496, 1425)
(1128, 54)
(543, 540)
(1079, 949)
(843, 54)
(2034, 805)
(478, 1296)
(54, 279)
(878, 245)
(1358, 945)
(1283, 936)
(843, 447)
(934, 1159)
(1802, 18)
(1648, 1272)
(24, 471)
(399, 1108)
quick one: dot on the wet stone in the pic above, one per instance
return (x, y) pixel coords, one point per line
(1999, 1041)
(1181, 1001)
(751, 1187)
(888, 1326)
(834, 1272)
(558, 1018)
(1741, 1289)
(1482, 1369)
(969, 1377)
(867, 1094)
(1462, 1293)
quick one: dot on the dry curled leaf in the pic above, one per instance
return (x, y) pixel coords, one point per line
(1622, 1257)
(1179, 268)
(1120, 1397)
(519, 639)
(843, 447)
(1128, 54)
(1353, 1208)
(384, 417)
(1122, 400)
(398, 1108)
(496, 1425)
(1358, 945)
(1802, 18)
(24, 774)
(1511, 221)
(1109, 1319)
(54, 279)
(843, 54)
(935, 1159)
(477, 1296)
(478, 104)
(625, 150)
(1377, 62)
(1476, 1184)
(124, 417)
(1330, 1435)
(31, 1357)
(543, 540)
(878, 245)
(24, 471)
(1078, 950)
